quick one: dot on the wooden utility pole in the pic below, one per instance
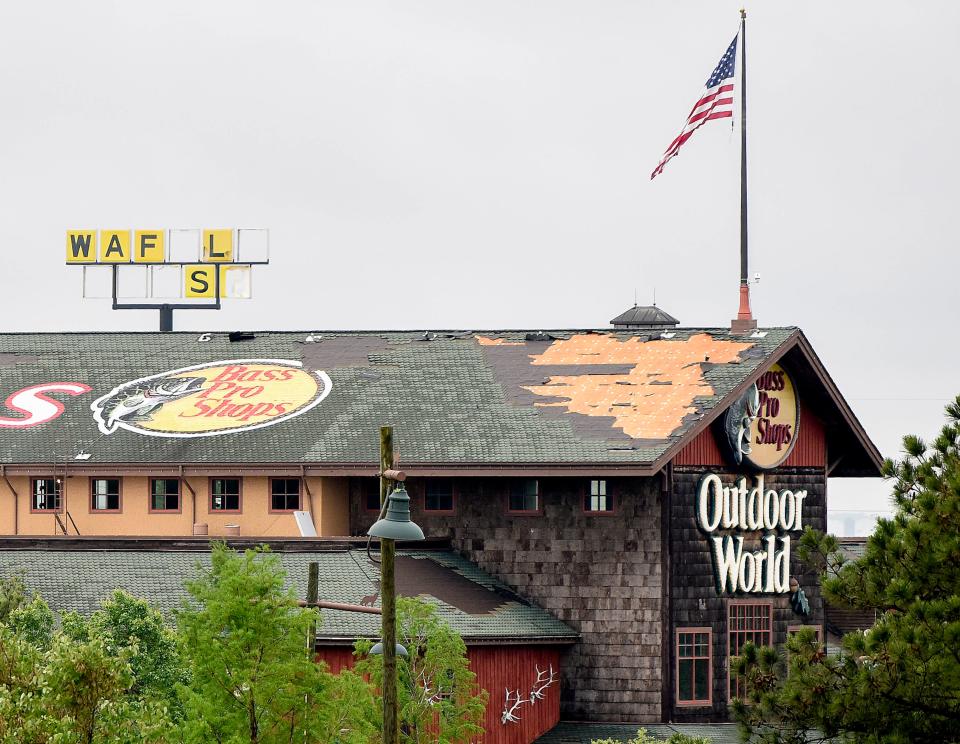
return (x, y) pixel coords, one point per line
(388, 600)
(313, 596)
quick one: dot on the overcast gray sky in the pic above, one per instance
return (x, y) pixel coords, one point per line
(436, 163)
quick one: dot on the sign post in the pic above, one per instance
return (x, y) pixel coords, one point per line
(167, 270)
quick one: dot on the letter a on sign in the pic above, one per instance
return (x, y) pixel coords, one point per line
(114, 246)
(81, 246)
(218, 246)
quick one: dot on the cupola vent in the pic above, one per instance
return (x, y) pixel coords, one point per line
(649, 317)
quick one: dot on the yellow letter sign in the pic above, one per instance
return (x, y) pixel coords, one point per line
(218, 246)
(81, 246)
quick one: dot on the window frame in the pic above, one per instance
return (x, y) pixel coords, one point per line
(299, 481)
(210, 509)
(695, 703)
(93, 510)
(453, 498)
(740, 603)
(58, 508)
(538, 512)
(588, 494)
(150, 495)
(364, 504)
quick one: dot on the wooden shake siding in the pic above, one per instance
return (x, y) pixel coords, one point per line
(808, 451)
(498, 668)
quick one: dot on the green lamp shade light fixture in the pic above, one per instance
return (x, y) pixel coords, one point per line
(377, 649)
(396, 525)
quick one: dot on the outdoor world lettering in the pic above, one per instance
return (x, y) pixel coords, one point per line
(737, 507)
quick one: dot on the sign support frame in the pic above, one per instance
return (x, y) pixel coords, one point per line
(166, 308)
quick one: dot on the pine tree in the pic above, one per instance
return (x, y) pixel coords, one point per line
(899, 681)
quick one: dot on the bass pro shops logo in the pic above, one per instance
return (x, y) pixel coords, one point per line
(211, 399)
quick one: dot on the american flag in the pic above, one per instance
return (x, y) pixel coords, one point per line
(715, 102)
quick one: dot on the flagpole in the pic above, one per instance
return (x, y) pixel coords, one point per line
(744, 320)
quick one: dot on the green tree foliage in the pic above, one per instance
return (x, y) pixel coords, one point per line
(252, 678)
(900, 681)
(130, 626)
(238, 670)
(71, 693)
(438, 696)
(13, 594)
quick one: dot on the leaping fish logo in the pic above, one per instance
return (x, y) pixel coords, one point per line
(739, 422)
(139, 402)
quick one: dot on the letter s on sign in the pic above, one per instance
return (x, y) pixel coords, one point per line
(36, 406)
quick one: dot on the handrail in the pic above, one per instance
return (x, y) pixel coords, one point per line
(70, 517)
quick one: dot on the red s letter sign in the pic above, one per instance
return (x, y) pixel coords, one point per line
(37, 407)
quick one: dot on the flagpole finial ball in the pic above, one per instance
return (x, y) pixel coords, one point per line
(743, 12)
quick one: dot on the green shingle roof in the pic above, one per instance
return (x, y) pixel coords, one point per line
(467, 398)
(80, 580)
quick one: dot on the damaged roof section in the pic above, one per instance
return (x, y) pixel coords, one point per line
(652, 395)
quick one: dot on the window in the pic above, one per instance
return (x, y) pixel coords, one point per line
(370, 494)
(46, 495)
(164, 494)
(694, 666)
(284, 494)
(747, 622)
(105, 494)
(225, 494)
(524, 496)
(438, 496)
(597, 500)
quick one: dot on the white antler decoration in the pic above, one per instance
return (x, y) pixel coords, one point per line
(508, 709)
(544, 680)
(430, 697)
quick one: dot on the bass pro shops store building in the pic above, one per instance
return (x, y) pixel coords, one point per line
(645, 487)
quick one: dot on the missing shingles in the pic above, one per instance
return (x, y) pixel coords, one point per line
(663, 379)
(416, 576)
(344, 351)
(8, 359)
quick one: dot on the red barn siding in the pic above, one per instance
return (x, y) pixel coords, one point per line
(337, 658)
(809, 450)
(514, 667)
(498, 668)
(811, 445)
(701, 451)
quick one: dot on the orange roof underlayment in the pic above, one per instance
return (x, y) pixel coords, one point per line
(652, 399)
